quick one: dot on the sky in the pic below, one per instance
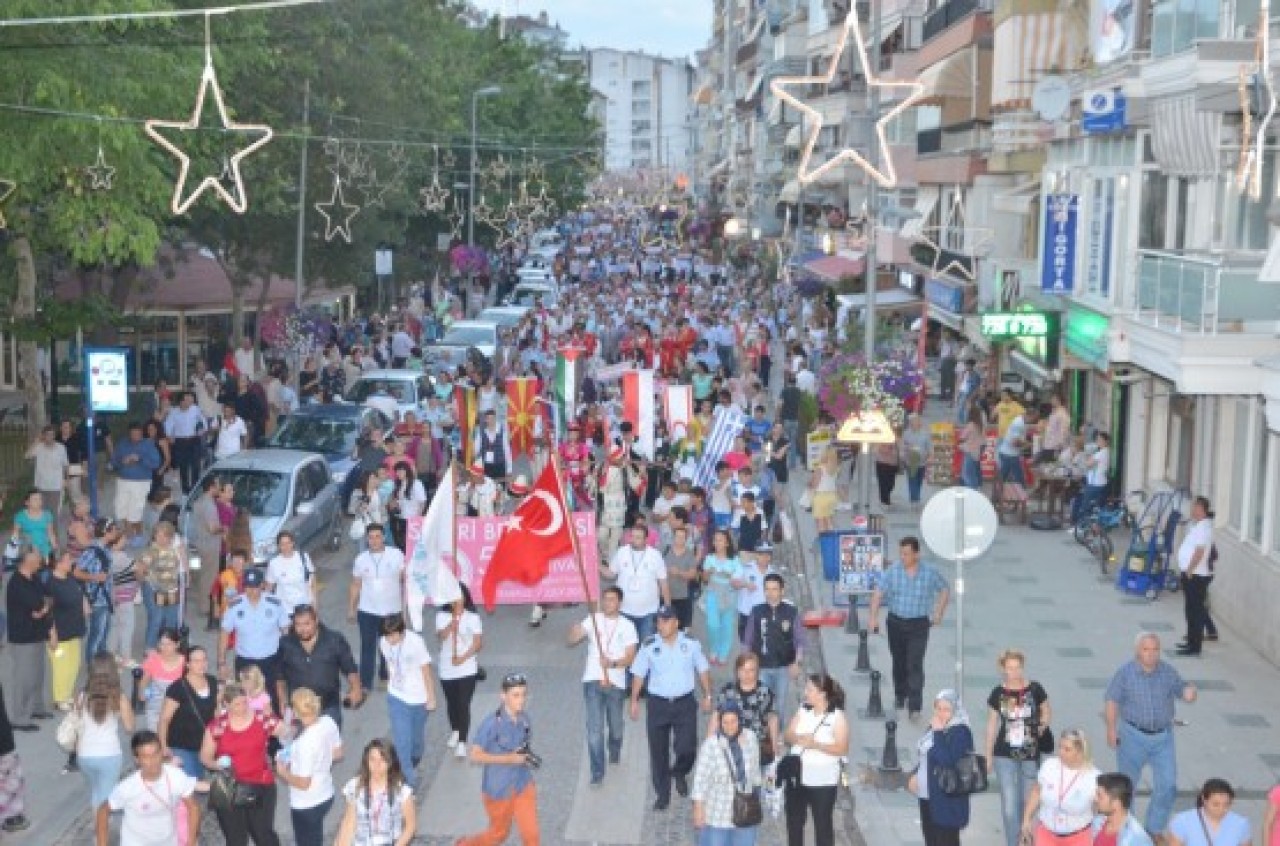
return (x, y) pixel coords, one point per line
(670, 28)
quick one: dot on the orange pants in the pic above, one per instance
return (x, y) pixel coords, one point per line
(522, 807)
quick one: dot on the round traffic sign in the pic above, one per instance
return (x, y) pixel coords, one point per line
(959, 523)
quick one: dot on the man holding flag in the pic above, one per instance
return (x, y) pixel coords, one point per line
(540, 530)
(432, 577)
(611, 645)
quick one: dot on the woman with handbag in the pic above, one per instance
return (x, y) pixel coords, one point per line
(100, 711)
(756, 702)
(726, 782)
(243, 792)
(190, 704)
(1018, 716)
(819, 739)
(1060, 806)
(943, 815)
(822, 488)
(165, 564)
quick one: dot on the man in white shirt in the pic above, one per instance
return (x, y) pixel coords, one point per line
(1196, 558)
(376, 593)
(642, 575)
(401, 347)
(248, 362)
(1097, 466)
(1016, 437)
(51, 469)
(604, 677)
(149, 799)
(233, 435)
(805, 380)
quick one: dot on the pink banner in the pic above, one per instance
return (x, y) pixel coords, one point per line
(477, 537)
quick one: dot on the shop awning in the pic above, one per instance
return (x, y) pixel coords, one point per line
(1025, 45)
(951, 77)
(1030, 369)
(926, 199)
(1018, 200)
(832, 268)
(893, 298)
(1184, 140)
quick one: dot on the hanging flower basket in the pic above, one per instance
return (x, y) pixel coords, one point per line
(850, 385)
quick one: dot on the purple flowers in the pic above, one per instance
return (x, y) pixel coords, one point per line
(848, 384)
(469, 261)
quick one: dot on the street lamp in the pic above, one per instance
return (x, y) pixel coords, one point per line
(487, 91)
(864, 429)
(732, 227)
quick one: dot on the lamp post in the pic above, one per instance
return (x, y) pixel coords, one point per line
(487, 91)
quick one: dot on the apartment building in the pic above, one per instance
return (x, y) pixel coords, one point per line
(648, 109)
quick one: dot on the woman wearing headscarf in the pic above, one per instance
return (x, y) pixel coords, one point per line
(728, 763)
(947, 740)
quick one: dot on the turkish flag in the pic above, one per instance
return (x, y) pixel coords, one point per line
(537, 533)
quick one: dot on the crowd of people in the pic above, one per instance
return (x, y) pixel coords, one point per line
(687, 528)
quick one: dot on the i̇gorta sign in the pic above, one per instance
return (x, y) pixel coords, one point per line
(1004, 325)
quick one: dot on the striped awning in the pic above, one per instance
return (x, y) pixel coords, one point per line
(951, 77)
(832, 268)
(1026, 48)
(1184, 140)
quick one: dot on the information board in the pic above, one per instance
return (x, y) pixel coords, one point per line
(815, 445)
(107, 379)
(861, 562)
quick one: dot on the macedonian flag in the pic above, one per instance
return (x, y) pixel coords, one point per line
(522, 411)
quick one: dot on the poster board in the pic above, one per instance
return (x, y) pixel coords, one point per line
(815, 445)
(107, 379)
(861, 562)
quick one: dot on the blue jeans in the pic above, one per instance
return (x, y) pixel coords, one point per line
(708, 836)
(1016, 780)
(604, 705)
(308, 823)
(1138, 749)
(408, 735)
(1090, 495)
(971, 473)
(1011, 468)
(158, 616)
(101, 773)
(915, 483)
(791, 428)
(189, 761)
(95, 639)
(778, 680)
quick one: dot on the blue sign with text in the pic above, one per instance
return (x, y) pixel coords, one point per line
(1058, 264)
(1102, 112)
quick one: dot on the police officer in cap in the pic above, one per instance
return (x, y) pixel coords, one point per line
(672, 663)
(258, 620)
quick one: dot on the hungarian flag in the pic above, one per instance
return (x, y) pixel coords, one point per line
(535, 535)
(637, 407)
(464, 411)
(522, 412)
(432, 578)
(569, 364)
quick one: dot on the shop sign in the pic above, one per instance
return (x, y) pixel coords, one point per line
(944, 296)
(1058, 264)
(1006, 325)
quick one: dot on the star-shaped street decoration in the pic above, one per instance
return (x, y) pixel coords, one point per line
(483, 212)
(236, 199)
(1249, 176)
(435, 196)
(978, 239)
(456, 218)
(498, 169)
(101, 175)
(346, 212)
(373, 190)
(886, 175)
(448, 159)
(7, 187)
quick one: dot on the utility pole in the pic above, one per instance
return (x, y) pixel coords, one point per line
(300, 249)
(873, 215)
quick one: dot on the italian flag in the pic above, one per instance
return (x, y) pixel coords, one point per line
(637, 407)
(569, 364)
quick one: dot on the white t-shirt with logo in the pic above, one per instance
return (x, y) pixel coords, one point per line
(639, 573)
(381, 586)
(469, 628)
(311, 755)
(230, 437)
(290, 576)
(405, 661)
(616, 634)
(150, 808)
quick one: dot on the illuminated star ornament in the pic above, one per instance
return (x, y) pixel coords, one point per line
(338, 214)
(1254, 133)
(434, 197)
(236, 199)
(886, 176)
(7, 187)
(976, 238)
(101, 175)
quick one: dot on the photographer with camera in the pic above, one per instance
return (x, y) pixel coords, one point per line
(501, 745)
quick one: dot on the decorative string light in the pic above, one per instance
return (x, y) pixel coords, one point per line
(886, 176)
(1249, 173)
(337, 224)
(7, 187)
(978, 239)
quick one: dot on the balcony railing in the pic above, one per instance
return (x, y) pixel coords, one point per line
(1204, 295)
(951, 12)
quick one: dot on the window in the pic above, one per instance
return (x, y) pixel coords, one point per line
(1176, 24)
(640, 88)
(1155, 198)
(1240, 460)
(1256, 502)
(641, 127)
(902, 129)
(829, 137)
(1244, 220)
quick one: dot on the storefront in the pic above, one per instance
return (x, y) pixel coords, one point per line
(949, 302)
(1033, 340)
(1087, 375)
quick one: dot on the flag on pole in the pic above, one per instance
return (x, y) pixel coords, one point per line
(569, 364)
(727, 425)
(464, 411)
(432, 579)
(637, 407)
(522, 413)
(679, 410)
(538, 532)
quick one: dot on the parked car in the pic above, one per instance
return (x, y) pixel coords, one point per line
(408, 389)
(451, 350)
(330, 430)
(281, 489)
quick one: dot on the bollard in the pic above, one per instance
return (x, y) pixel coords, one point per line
(864, 655)
(875, 707)
(851, 624)
(137, 680)
(889, 759)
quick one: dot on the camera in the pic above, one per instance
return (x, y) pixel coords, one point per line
(531, 759)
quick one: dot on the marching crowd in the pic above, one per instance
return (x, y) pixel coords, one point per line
(690, 502)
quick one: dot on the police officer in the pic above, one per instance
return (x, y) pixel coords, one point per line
(672, 663)
(258, 621)
(774, 633)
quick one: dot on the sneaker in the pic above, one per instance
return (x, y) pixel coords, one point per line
(1213, 636)
(18, 823)
(453, 740)
(460, 751)
(70, 767)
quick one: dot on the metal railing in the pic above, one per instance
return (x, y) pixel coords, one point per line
(1204, 294)
(940, 20)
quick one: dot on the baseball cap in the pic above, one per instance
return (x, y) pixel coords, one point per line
(666, 612)
(253, 578)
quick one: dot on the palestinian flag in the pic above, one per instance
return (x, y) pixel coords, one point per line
(570, 362)
(522, 412)
(464, 411)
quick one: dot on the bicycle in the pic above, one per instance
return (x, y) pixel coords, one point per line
(1093, 529)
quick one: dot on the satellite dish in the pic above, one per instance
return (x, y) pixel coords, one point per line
(1051, 98)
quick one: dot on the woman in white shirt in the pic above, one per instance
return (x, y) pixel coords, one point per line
(103, 710)
(408, 499)
(290, 574)
(306, 765)
(819, 734)
(380, 809)
(411, 692)
(461, 639)
(1059, 809)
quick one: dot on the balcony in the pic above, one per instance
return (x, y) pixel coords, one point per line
(929, 141)
(941, 19)
(1204, 295)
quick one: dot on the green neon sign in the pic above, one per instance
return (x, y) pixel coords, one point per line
(1006, 325)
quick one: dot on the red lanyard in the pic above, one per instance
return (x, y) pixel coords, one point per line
(1064, 792)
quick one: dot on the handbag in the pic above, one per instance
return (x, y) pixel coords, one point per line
(12, 553)
(968, 776)
(357, 530)
(68, 734)
(806, 499)
(227, 794)
(789, 770)
(747, 812)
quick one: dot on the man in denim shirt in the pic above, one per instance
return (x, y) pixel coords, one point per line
(501, 745)
(93, 571)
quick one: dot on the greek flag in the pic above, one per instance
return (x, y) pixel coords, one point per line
(727, 425)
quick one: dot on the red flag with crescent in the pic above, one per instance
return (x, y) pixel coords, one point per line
(522, 401)
(538, 532)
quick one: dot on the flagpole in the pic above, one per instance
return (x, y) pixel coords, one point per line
(582, 573)
(453, 552)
